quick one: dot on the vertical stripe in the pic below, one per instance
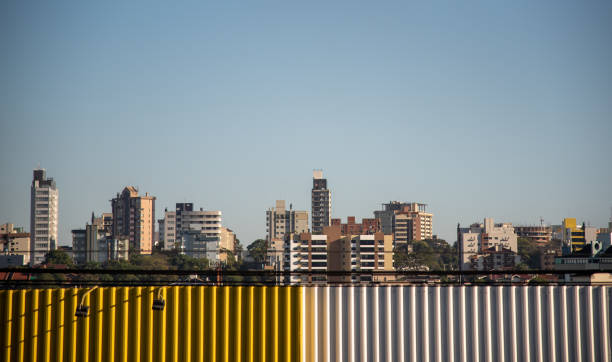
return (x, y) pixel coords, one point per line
(413, 325)
(438, 331)
(375, 341)
(463, 323)
(388, 330)
(450, 342)
(110, 332)
(96, 312)
(136, 303)
(487, 325)
(351, 324)
(552, 353)
(475, 319)
(577, 326)
(34, 333)
(538, 316)
(364, 324)
(604, 324)
(526, 324)
(501, 341)
(513, 322)
(400, 320)
(8, 324)
(565, 340)
(59, 324)
(590, 324)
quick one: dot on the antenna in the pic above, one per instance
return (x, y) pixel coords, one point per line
(541, 221)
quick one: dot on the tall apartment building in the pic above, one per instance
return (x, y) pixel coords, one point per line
(96, 244)
(334, 251)
(405, 221)
(479, 241)
(195, 232)
(320, 203)
(133, 219)
(43, 216)
(279, 223)
(14, 246)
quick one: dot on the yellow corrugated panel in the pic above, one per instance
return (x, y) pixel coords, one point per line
(197, 324)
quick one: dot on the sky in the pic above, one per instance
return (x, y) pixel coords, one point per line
(478, 109)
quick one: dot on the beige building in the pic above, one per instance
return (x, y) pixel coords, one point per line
(133, 219)
(281, 222)
(227, 243)
(405, 221)
(14, 245)
(482, 240)
(333, 251)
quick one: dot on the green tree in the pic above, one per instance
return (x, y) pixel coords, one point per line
(529, 253)
(58, 257)
(258, 250)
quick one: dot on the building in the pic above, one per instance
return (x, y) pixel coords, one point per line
(320, 203)
(14, 246)
(333, 251)
(496, 257)
(367, 226)
(536, 234)
(43, 216)
(592, 259)
(96, 244)
(477, 241)
(279, 223)
(167, 230)
(575, 236)
(133, 219)
(405, 221)
(227, 243)
(196, 233)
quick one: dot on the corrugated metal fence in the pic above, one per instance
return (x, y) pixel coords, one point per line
(462, 323)
(197, 323)
(352, 323)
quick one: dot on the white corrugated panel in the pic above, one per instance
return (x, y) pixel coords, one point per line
(457, 323)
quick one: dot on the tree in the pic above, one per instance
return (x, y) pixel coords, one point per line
(58, 257)
(258, 250)
(529, 252)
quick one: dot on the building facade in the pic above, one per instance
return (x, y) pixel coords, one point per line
(575, 237)
(320, 203)
(334, 251)
(366, 227)
(281, 222)
(96, 244)
(44, 198)
(476, 242)
(196, 233)
(14, 246)
(133, 219)
(406, 221)
(536, 234)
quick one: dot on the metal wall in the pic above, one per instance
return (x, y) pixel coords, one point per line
(197, 323)
(462, 323)
(411, 323)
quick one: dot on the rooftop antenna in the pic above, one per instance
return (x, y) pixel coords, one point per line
(541, 221)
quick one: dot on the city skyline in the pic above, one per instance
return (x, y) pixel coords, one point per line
(479, 110)
(262, 232)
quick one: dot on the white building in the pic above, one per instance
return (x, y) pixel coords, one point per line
(478, 239)
(197, 233)
(43, 216)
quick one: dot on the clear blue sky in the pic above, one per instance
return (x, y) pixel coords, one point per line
(500, 109)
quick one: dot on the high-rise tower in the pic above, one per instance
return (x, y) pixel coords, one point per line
(133, 217)
(43, 216)
(321, 203)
